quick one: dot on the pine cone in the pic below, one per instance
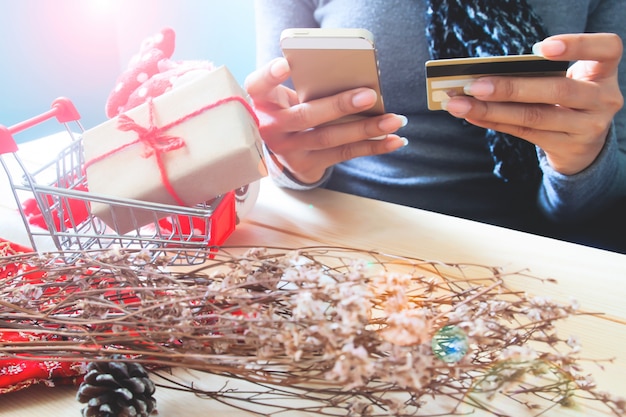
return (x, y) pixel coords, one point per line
(116, 389)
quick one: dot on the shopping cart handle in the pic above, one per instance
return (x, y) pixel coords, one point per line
(62, 108)
(65, 110)
(7, 143)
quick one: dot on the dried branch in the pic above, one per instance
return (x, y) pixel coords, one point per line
(344, 331)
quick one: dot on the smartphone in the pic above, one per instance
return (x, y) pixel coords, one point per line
(325, 62)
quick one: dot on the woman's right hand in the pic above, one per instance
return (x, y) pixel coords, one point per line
(291, 130)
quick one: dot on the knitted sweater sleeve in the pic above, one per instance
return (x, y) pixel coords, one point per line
(568, 197)
(272, 16)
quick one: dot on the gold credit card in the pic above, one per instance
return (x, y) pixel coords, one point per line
(447, 77)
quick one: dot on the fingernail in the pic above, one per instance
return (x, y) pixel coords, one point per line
(364, 98)
(279, 68)
(393, 144)
(458, 106)
(403, 119)
(480, 87)
(390, 124)
(549, 48)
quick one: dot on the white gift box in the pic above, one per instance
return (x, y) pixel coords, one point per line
(213, 146)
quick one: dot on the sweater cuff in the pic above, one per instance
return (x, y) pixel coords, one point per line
(284, 178)
(566, 197)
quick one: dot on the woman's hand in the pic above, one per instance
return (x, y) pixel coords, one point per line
(292, 132)
(569, 117)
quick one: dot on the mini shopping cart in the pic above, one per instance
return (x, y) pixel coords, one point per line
(54, 203)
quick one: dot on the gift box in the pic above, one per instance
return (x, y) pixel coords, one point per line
(189, 145)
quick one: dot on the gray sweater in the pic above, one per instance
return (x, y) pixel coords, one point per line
(447, 167)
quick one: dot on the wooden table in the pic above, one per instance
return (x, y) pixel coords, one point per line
(596, 278)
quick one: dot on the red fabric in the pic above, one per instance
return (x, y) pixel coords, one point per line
(150, 73)
(142, 67)
(16, 374)
(73, 211)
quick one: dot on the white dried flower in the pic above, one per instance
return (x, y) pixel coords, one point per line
(477, 329)
(353, 305)
(353, 367)
(534, 314)
(574, 343)
(518, 353)
(307, 307)
(540, 301)
(408, 367)
(407, 327)
(460, 314)
(26, 292)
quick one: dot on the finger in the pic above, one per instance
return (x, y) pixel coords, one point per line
(563, 133)
(604, 48)
(335, 135)
(566, 154)
(316, 112)
(262, 81)
(524, 117)
(548, 90)
(349, 151)
(538, 137)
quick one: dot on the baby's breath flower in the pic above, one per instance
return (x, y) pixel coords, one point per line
(518, 353)
(353, 367)
(574, 342)
(461, 313)
(408, 327)
(307, 307)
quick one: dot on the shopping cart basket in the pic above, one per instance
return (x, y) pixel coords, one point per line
(55, 204)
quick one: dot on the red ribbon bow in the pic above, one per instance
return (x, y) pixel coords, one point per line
(155, 143)
(153, 139)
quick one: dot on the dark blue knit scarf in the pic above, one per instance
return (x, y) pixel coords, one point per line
(473, 28)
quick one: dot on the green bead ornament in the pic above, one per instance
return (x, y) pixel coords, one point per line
(450, 344)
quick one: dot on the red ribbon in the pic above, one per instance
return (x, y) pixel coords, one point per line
(157, 143)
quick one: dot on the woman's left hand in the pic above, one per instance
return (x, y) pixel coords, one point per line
(568, 117)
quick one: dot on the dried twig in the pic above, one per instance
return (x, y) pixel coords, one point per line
(346, 331)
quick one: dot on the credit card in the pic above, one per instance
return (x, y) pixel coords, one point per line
(447, 77)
